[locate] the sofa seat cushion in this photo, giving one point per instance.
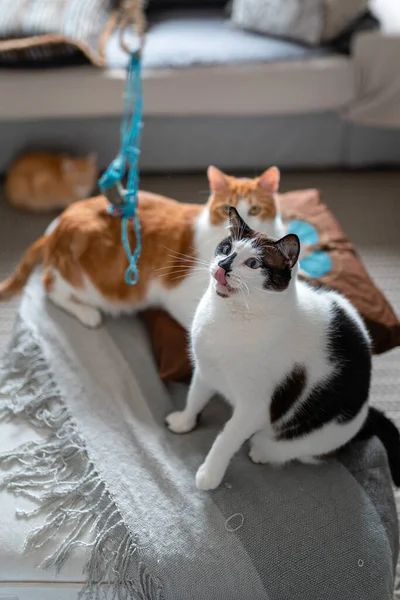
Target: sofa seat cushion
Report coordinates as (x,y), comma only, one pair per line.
(204,37)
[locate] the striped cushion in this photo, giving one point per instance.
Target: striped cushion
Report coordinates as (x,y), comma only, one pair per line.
(42,31)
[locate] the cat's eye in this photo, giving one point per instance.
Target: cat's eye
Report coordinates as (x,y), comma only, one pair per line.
(225,249)
(253,263)
(225,209)
(254,210)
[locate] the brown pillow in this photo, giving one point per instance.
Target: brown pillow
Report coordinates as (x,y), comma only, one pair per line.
(169,341)
(347,275)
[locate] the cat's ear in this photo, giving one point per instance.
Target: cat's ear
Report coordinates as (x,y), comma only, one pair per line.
(238,228)
(217,179)
(269,180)
(289,246)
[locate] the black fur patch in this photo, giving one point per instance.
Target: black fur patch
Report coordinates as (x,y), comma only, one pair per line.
(225,241)
(275,267)
(226,263)
(276,279)
(341,397)
(239,229)
(287,392)
(378,424)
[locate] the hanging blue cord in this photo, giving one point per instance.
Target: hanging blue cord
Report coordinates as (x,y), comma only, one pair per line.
(128,158)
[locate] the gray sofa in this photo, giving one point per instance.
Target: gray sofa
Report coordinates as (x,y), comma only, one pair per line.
(213,94)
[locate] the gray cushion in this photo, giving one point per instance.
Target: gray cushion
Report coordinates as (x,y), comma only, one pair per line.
(188,38)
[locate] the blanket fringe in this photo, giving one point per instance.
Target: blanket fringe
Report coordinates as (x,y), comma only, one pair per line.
(59,477)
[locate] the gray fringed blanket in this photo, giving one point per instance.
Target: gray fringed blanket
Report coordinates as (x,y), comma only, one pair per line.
(110,475)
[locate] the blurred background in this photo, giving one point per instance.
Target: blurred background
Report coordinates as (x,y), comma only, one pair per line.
(242,84)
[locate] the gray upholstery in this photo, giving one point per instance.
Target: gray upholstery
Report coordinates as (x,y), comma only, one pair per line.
(206,37)
(192,143)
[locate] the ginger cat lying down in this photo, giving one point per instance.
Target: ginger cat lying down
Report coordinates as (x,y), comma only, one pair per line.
(41,181)
(84,261)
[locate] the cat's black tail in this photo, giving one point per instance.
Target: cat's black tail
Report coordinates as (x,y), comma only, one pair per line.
(378,424)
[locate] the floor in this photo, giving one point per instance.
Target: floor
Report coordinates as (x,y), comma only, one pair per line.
(366,204)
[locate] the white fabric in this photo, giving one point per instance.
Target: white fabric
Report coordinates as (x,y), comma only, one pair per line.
(14,565)
(388,14)
(182,39)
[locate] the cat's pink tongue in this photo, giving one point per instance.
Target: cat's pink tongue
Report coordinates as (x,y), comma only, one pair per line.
(220,276)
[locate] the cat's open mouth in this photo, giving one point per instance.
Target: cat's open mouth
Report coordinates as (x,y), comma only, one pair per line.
(222,286)
(224,290)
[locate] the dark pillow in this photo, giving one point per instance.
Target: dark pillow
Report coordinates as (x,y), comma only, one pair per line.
(169,341)
(343,43)
(328,258)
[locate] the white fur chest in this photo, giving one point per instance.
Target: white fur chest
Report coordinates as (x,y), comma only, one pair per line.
(245,356)
(225,350)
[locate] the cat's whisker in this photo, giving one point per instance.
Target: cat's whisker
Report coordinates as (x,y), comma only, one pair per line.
(183,276)
(182,258)
(188,259)
(253,298)
(176,266)
(185,263)
(180,254)
(184,272)
(193,249)
(241,290)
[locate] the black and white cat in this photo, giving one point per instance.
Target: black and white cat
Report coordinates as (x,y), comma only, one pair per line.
(294,362)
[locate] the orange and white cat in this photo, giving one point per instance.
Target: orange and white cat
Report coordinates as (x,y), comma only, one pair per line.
(40,181)
(84,260)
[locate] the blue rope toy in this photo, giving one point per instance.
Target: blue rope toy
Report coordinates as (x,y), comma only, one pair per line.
(123,203)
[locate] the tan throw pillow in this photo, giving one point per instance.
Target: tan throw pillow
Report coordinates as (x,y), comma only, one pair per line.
(55,31)
(346,274)
(309,21)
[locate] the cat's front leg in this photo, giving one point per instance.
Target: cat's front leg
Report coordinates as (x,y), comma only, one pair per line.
(183,421)
(237,430)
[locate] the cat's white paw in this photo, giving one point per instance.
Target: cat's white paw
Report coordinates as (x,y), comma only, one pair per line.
(178,422)
(207,478)
(257,454)
(89,316)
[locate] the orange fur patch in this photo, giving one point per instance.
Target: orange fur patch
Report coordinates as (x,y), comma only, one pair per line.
(229,191)
(87,239)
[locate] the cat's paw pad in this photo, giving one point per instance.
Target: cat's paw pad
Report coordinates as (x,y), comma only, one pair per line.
(257,455)
(178,422)
(207,478)
(89,316)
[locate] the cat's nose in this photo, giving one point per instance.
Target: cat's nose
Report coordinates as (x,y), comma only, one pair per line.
(220,276)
